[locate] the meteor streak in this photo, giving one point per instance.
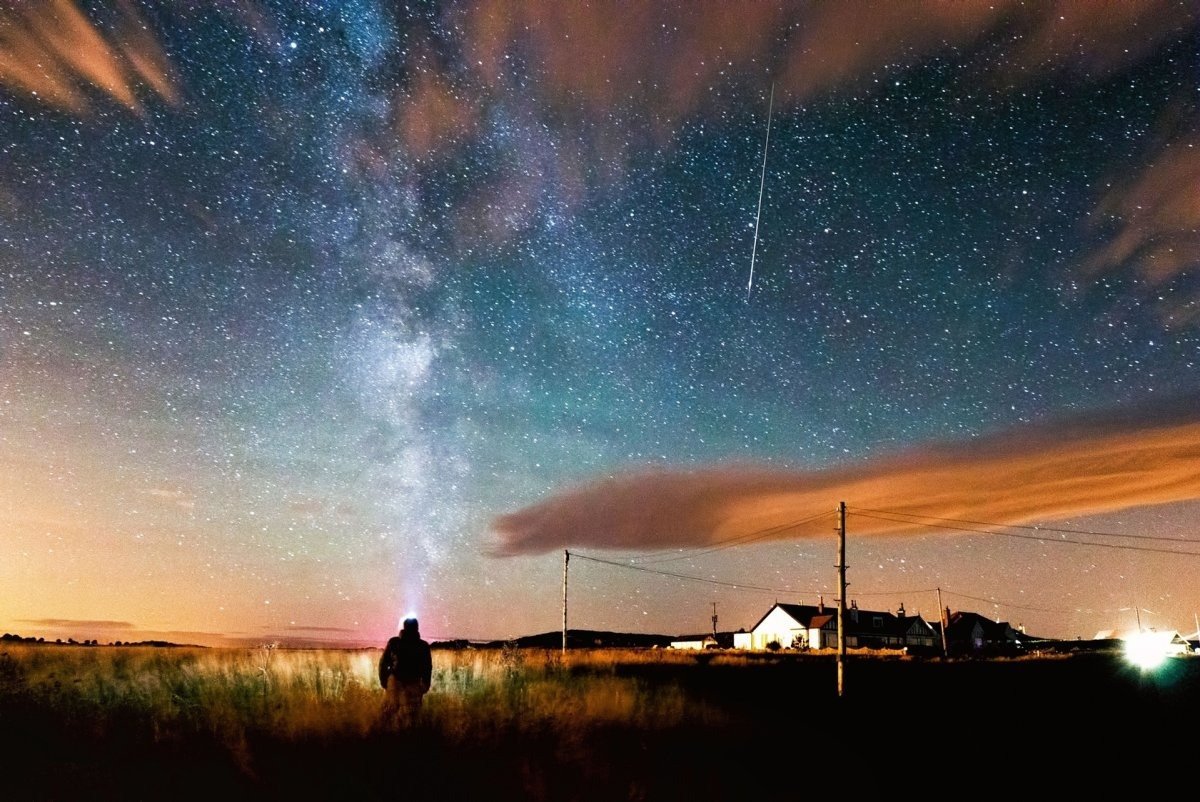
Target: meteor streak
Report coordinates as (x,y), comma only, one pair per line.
(761,183)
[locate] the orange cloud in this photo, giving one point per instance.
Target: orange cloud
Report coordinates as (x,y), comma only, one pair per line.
(52,50)
(1153,221)
(600,57)
(433,116)
(1095,37)
(145,54)
(74,623)
(1069,468)
(593,68)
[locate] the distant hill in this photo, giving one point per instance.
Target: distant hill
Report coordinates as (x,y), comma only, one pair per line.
(11,638)
(583,639)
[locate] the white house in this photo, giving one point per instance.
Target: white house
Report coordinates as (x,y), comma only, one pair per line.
(802,626)
(1152,645)
(707,642)
(791,626)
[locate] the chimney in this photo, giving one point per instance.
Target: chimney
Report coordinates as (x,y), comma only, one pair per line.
(821,604)
(900,612)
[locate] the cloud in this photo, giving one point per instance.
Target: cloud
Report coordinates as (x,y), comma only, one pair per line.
(1149,225)
(602,56)
(51,50)
(76,623)
(1083,466)
(593,82)
(1093,38)
(176,497)
(433,116)
(297,628)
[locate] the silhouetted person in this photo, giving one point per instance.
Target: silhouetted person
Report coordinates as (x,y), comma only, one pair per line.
(406,670)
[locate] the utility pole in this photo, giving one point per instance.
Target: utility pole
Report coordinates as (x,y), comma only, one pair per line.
(566,562)
(945,621)
(714,620)
(841,566)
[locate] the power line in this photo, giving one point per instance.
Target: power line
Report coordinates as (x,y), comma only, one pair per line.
(736,585)
(739,540)
(1016,606)
(1033,537)
(896,517)
(895,592)
(907,592)
(1035,527)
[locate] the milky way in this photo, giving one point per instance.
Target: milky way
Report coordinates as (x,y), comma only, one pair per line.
(298,300)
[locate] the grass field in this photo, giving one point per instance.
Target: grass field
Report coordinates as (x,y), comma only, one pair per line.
(172,723)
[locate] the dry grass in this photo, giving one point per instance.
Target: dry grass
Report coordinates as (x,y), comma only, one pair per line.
(298,693)
(144,722)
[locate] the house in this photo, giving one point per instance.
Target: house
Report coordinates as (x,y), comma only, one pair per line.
(972,633)
(876,629)
(802,626)
(694,642)
(785,626)
(719,640)
(1151,645)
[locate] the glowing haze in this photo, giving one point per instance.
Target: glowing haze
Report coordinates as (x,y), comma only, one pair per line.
(315,316)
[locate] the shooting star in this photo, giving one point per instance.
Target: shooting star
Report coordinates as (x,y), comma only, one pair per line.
(762,181)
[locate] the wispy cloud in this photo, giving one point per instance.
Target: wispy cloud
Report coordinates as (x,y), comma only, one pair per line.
(1083,466)
(179,498)
(53,51)
(602,56)
(1148,224)
(76,623)
(592,79)
(298,628)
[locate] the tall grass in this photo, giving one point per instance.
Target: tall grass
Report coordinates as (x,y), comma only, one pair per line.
(182,723)
(299,693)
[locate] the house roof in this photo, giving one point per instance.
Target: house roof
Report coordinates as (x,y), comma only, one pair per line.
(889,623)
(1163,636)
(802,613)
(814,617)
(819,621)
(961,623)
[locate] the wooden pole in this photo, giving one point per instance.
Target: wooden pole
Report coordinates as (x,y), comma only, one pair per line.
(566,562)
(841,566)
(945,620)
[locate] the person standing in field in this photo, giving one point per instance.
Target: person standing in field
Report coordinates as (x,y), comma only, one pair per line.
(406,671)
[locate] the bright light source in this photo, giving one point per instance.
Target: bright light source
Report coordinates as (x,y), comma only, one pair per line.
(1145,650)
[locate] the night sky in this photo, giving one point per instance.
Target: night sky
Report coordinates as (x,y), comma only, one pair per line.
(318,314)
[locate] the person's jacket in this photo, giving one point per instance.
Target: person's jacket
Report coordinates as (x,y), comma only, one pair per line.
(408,659)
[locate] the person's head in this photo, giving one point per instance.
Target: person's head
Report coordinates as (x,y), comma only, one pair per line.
(410,627)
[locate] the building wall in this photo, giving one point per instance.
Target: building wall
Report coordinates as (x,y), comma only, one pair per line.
(778,626)
(817,638)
